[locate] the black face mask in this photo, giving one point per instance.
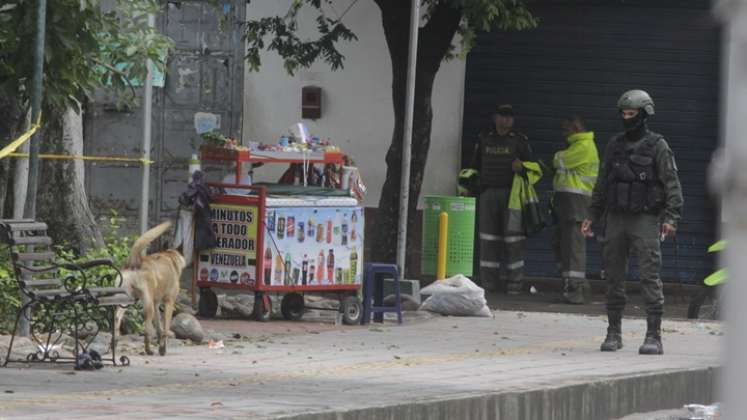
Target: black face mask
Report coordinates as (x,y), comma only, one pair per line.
(634,124)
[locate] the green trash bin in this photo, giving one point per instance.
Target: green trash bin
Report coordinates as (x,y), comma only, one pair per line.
(461,236)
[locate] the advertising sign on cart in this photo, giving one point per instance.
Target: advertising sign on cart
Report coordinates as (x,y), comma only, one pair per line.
(234,259)
(313,247)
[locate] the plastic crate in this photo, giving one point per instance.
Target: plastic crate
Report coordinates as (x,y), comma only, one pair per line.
(461,234)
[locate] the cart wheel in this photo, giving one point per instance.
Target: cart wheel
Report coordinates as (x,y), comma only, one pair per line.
(351,310)
(208,305)
(292,306)
(262,307)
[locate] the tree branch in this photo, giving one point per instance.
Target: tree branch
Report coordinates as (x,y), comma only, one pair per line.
(117,71)
(439,32)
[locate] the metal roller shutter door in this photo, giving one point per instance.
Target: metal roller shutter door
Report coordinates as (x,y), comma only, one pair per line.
(578,61)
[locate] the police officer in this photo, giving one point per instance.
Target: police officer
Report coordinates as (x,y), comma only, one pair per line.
(638,199)
(576,169)
(499,153)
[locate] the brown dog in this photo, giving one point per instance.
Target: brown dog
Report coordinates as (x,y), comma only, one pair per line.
(153,280)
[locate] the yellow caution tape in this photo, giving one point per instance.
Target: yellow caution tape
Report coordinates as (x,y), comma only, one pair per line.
(79,157)
(15,144)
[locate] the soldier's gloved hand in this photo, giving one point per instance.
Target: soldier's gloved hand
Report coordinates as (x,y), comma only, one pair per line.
(586,228)
(517,165)
(667,230)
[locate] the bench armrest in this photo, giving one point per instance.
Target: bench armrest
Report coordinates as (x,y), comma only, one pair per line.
(87,280)
(85,265)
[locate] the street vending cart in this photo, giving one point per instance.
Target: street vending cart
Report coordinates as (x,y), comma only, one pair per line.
(273,241)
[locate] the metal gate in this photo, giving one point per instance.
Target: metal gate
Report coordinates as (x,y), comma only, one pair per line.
(205,74)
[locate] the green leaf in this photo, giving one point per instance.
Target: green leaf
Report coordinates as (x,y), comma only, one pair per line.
(717,278)
(718,246)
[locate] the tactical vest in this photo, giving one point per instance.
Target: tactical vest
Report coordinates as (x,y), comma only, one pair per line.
(497,153)
(632,182)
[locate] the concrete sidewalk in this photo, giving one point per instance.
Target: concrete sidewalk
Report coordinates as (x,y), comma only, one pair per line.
(514,366)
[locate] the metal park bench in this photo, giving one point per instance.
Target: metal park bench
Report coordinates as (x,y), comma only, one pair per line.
(77,299)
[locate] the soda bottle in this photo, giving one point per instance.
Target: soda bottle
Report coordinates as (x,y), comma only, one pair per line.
(353,225)
(271,221)
(268,266)
(320,267)
(353,265)
(311,226)
(288,268)
(291,222)
(320,232)
(304,269)
(344,230)
(329,232)
(281,227)
(301,231)
(312,267)
(278,269)
(331,267)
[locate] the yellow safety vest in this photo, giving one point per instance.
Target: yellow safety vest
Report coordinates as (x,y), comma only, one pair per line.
(577,167)
(522,192)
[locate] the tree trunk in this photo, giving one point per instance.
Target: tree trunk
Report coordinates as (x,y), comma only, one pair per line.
(62,200)
(10,128)
(434,41)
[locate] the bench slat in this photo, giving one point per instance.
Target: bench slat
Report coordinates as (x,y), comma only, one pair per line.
(118,299)
(51,293)
(20,226)
(36,256)
(42,269)
(36,283)
(33,240)
(103,291)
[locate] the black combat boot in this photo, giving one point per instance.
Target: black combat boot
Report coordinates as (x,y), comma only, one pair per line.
(613,341)
(652,342)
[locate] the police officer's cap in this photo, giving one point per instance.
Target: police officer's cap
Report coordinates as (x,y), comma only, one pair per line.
(505,110)
(636,99)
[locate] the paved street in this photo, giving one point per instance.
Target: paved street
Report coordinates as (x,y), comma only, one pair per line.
(282,369)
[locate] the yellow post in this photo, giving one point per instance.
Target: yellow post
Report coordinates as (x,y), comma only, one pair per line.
(443,233)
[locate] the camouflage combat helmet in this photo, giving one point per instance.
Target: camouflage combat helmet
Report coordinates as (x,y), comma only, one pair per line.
(636,99)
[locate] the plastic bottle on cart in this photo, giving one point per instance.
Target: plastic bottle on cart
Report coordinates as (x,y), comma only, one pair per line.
(312,267)
(320,267)
(288,278)
(304,269)
(301,231)
(353,225)
(353,265)
(271,221)
(278,269)
(331,267)
(344,239)
(291,222)
(281,227)
(268,266)
(329,232)
(310,229)
(320,232)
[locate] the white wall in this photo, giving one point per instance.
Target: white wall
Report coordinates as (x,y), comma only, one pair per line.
(357,112)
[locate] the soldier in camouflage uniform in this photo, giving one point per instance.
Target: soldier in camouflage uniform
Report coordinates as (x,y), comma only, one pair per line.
(637,203)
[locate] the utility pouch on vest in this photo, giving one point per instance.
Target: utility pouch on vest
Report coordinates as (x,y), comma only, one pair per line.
(623,173)
(622,196)
(638,197)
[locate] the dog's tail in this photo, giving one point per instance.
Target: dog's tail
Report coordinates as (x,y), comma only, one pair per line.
(136,253)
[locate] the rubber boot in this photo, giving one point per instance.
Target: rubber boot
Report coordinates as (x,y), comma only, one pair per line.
(613,341)
(652,342)
(514,288)
(575,291)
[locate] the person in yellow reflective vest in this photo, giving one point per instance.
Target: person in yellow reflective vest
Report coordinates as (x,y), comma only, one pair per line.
(576,169)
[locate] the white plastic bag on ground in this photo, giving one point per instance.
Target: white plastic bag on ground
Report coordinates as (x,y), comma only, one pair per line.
(457,296)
